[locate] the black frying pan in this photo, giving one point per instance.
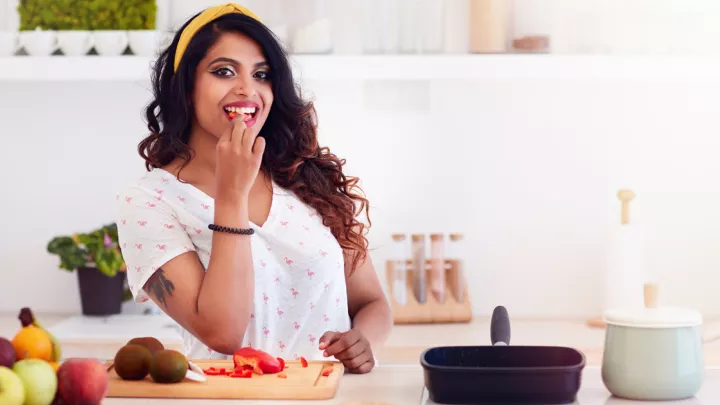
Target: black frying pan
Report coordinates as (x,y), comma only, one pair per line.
(502,374)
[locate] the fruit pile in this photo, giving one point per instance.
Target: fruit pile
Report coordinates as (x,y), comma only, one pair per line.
(31,372)
(147,355)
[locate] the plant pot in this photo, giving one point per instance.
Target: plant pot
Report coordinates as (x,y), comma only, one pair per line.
(100,295)
(75,43)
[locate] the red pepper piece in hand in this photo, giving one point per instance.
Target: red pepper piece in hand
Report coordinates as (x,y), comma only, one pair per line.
(303,362)
(260,361)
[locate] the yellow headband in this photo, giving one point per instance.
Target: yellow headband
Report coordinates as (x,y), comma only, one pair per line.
(201,20)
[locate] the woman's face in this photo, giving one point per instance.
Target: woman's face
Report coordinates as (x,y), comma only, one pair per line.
(232,79)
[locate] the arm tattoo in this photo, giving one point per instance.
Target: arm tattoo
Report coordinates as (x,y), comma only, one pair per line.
(161,286)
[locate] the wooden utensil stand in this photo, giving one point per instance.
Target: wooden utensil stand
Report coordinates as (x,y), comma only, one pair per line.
(431,311)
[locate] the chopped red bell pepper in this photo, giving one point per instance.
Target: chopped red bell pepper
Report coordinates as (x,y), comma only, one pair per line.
(282,375)
(303,362)
(282,363)
(221,371)
(242,374)
(326,371)
(211,371)
(261,362)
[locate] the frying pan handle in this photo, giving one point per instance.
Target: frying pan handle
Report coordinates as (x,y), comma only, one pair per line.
(500,327)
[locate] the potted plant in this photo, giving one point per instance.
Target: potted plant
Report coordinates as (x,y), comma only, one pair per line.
(100,267)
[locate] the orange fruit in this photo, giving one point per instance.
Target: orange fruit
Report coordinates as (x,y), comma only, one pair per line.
(32,342)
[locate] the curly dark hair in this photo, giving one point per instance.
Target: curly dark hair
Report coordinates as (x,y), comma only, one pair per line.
(292,157)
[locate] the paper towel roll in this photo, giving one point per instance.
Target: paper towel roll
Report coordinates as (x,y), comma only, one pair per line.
(626,273)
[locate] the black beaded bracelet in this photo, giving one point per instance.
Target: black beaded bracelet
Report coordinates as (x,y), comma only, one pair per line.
(238,231)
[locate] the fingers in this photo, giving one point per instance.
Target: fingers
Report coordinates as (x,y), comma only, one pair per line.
(363,368)
(259,147)
(238,131)
(327,338)
(351,352)
(346,340)
(248,140)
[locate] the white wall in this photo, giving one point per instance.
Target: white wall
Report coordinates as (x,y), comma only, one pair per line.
(528,170)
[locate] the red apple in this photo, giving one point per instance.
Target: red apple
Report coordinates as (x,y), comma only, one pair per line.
(82,381)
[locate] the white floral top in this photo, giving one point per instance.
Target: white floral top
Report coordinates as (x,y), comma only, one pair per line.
(300,290)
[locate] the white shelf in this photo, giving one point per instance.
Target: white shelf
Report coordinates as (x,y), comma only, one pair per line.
(392,67)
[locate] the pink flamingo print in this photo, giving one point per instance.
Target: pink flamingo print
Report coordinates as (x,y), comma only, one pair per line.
(198,231)
(124,245)
(311,338)
(138,246)
(296,325)
(262,263)
(306,228)
(128,199)
(294,292)
(312,305)
(337,301)
(151,205)
(280,312)
(265,298)
(164,179)
(310,273)
(142,223)
(138,268)
(205,206)
(269,249)
(158,197)
(323,253)
(266,331)
(288,261)
(302,244)
(291,207)
(325,318)
(284,223)
(297,356)
(281,345)
(161,247)
(169,226)
(277,279)
(124,221)
(326,286)
(159,191)
(182,199)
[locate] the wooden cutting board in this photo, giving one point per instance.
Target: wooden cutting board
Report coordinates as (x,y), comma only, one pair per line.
(301,383)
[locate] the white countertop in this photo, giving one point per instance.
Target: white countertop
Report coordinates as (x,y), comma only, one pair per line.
(403,385)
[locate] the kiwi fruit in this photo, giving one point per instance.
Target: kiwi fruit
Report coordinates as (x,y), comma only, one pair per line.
(132,362)
(151,343)
(168,366)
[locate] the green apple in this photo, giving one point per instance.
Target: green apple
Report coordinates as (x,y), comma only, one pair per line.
(12,391)
(39,379)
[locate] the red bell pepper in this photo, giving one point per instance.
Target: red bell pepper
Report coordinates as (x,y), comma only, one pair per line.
(260,361)
(303,362)
(282,375)
(241,374)
(282,363)
(326,371)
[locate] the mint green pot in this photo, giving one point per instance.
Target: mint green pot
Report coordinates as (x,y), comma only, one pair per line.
(653,354)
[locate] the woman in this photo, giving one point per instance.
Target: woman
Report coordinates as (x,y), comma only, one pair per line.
(244,230)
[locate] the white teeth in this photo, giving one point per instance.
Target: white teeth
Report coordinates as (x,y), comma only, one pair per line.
(241,110)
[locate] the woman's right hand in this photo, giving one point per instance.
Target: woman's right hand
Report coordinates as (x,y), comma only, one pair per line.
(239,154)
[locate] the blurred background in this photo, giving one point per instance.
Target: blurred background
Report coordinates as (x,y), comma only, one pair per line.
(514,123)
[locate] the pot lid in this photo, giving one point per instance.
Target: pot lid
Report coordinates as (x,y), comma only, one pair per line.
(660,317)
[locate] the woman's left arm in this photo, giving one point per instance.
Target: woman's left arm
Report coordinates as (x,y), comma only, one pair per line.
(371,320)
(368,307)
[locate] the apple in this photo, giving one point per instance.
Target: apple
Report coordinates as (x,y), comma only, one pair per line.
(39,380)
(82,381)
(12,390)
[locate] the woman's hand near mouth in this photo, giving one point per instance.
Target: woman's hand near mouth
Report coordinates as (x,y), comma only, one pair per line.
(239,154)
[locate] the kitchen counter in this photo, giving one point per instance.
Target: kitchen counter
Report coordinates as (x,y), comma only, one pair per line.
(403,385)
(101,337)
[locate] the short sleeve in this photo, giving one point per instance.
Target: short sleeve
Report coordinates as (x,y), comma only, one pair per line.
(149,234)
